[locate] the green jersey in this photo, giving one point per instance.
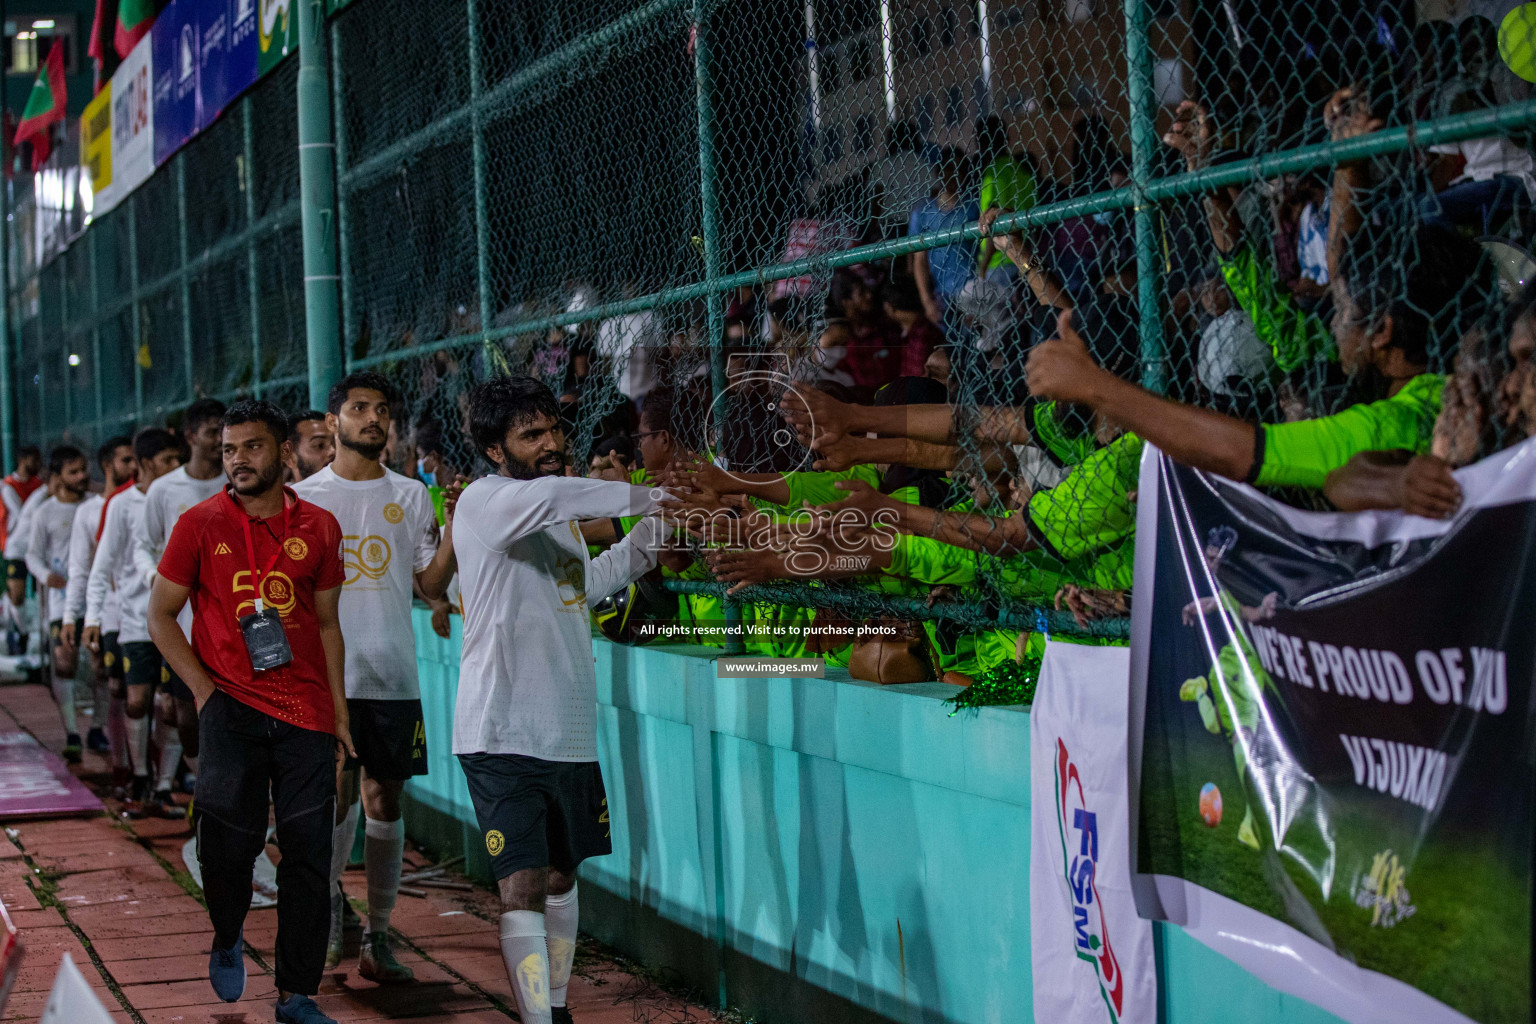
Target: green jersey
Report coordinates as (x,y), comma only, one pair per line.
(1008,184)
(821,488)
(1294,336)
(1091,509)
(1302,454)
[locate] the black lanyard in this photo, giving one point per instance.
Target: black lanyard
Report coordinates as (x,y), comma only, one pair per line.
(250,547)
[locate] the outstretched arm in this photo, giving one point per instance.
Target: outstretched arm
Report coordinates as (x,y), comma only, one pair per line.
(815,415)
(1062,369)
(1420,485)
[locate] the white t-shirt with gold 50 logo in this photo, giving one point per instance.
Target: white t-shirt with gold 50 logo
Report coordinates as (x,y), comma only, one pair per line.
(388,534)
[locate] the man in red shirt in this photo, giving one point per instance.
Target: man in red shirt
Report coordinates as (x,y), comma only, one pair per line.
(264,572)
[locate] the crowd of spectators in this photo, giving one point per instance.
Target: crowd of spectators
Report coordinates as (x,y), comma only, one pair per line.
(979,403)
(976,413)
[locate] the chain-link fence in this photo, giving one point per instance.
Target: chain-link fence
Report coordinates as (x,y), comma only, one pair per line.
(673,212)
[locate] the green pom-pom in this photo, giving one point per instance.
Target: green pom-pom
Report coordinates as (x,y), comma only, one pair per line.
(1012,682)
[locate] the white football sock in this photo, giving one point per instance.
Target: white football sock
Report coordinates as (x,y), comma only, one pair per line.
(64,697)
(138,744)
(170,754)
(342,835)
(383,847)
(524,951)
(560,914)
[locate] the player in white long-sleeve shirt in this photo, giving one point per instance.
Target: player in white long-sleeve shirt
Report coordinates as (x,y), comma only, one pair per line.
(15,489)
(115,459)
(18,534)
(47,555)
(167,498)
(389,542)
(114,576)
(525,720)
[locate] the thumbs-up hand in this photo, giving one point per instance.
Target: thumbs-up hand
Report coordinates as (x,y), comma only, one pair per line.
(1062,368)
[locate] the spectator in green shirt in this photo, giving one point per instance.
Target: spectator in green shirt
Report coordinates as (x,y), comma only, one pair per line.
(1006,182)
(1395,306)
(1478,416)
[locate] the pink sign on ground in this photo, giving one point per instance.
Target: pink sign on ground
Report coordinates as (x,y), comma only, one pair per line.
(36,783)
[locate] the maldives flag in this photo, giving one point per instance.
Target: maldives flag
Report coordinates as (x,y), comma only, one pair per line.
(45,106)
(102,49)
(134,19)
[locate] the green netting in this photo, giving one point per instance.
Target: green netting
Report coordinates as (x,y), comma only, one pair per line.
(674,212)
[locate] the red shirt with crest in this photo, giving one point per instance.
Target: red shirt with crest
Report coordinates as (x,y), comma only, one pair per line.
(207,553)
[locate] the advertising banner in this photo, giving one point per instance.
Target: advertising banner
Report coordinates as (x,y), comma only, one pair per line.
(277,31)
(175,40)
(1085,934)
(228,52)
(133,120)
(1331,740)
(96,150)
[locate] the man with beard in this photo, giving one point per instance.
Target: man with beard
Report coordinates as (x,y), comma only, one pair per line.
(199,479)
(389,541)
(16,491)
(48,562)
(157,453)
(524,727)
(264,572)
(314,444)
(115,457)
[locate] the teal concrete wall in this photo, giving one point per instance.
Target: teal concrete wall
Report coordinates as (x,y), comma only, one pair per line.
(812,849)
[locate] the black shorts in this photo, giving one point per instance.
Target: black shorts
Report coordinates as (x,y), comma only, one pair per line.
(56,631)
(535,813)
(15,569)
(390,738)
(112,656)
(143,666)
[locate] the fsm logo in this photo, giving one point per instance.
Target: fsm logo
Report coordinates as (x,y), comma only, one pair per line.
(1078,826)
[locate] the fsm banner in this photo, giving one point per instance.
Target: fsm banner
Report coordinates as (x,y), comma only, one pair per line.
(1092,956)
(1332,744)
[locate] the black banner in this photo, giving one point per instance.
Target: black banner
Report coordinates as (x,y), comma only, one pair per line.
(1335,763)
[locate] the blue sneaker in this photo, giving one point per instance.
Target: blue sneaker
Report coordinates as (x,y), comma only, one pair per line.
(301,1010)
(226,971)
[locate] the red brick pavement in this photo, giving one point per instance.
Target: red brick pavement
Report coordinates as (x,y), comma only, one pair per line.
(115,884)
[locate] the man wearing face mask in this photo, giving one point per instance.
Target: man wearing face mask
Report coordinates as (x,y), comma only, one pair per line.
(432,466)
(524,727)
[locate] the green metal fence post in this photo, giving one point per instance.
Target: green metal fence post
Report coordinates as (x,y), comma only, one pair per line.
(709,202)
(68,375)
(343,205)
(1144,145)
(252,275)
(185,277)
(98,384)
(482,202)
(134,315)
(7,411)
(317,205)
